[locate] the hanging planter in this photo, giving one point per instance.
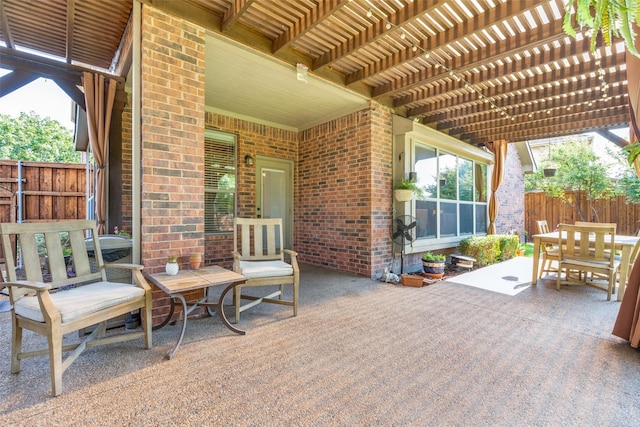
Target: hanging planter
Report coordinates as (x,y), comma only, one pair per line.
(403,195)
(548,173)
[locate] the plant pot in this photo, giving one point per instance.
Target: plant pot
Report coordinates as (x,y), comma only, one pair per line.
(171,268)
(403,195)
(433,269)
(195,259)
(549,172)
(412,280)
(520,252)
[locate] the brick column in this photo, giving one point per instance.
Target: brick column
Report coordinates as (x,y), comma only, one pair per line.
(173,85)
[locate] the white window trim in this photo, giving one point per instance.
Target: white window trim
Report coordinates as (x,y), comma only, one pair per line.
(406,134)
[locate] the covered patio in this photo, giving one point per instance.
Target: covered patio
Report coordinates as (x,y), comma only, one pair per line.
(361,352)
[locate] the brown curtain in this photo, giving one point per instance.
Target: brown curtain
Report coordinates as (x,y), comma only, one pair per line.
(627,324)
(633,86)
(499,149)
(99,104)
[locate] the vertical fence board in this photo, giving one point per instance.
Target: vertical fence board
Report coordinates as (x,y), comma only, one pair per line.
(540,206)
(53,191)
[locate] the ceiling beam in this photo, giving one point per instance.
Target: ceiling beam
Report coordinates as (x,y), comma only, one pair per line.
(6,28)
(459,63)
(480,113)
(498,122)
(612,137)
(407,15)
(521,95)
(591,119)
(15,80)
(233,14)
(71,13)
(530,64)
(315,17)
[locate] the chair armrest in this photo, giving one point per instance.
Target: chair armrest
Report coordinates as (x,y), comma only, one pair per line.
(294,258)
(29,284)
(125,266)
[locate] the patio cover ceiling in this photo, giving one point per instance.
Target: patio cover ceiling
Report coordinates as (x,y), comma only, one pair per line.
(479,70)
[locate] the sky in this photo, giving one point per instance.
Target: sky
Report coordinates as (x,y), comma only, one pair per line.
(42,96)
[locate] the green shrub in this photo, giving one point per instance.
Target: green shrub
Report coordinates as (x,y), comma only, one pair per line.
(509,244)
(490,249)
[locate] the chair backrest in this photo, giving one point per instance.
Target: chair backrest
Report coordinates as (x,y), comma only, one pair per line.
(55,244)
(543,227)
(594,243)
(258,239)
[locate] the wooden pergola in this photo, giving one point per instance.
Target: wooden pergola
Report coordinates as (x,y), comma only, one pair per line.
(478,70)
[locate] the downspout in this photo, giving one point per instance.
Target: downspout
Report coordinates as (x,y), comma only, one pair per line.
(136,137)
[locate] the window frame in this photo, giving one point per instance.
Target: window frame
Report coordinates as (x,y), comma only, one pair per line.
(406,135)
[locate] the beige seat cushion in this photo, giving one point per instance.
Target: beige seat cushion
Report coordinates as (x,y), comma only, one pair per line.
(78,302)
(260,269)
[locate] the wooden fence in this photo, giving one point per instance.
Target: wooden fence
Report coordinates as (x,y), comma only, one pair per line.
(539,206)
(50,192)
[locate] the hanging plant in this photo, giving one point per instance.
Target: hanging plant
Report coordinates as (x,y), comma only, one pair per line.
(612,18)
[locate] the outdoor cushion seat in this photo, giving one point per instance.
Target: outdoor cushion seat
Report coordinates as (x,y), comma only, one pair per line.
(259,269)
(84,300)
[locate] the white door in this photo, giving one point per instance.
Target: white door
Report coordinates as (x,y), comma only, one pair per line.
(275,193)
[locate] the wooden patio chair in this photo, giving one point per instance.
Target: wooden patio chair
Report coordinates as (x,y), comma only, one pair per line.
(259,256)
(75,297)
(550,253)
(588,250)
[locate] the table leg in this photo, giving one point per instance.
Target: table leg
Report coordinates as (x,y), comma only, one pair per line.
(184,324)
(168,318)
(536,260)
(219,307)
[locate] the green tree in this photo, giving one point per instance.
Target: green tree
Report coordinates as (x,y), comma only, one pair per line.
(33,138)
(579,170)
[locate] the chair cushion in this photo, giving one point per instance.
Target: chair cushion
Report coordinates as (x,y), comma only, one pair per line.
(260,269)
(80,301)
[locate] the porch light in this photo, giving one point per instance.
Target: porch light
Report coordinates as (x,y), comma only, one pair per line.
(248,160)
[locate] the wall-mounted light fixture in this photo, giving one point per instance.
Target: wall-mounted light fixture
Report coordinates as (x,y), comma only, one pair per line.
(248,160)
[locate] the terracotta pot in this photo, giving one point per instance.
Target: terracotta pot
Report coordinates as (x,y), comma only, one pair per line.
(195,259)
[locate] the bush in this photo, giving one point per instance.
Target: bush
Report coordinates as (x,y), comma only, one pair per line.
(509,244)
(490,249)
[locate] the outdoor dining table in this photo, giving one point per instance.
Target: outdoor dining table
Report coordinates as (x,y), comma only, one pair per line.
(188,280)
(624,244)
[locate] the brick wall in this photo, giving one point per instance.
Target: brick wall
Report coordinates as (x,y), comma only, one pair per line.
(511,195)
(256,140)
(344,202)
(172,102)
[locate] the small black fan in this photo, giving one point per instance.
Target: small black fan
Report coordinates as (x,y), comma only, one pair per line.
(404,231)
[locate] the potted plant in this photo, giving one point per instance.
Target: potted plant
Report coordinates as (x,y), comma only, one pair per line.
(433,264)
(406,189)
(520,251)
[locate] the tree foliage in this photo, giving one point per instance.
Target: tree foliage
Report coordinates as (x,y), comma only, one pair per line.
(579,170)
(30,137)
(612,18)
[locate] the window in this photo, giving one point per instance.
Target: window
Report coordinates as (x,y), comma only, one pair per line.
(454,202)
(219,181)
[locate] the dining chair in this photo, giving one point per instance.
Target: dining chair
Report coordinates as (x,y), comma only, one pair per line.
(550,253)
(588,249)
